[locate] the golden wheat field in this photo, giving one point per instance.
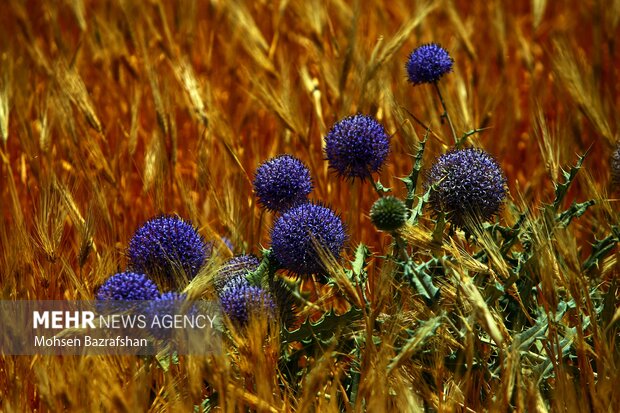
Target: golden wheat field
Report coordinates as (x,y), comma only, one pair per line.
(113,112)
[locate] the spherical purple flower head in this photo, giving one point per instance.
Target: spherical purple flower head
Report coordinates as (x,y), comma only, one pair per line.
(615,166)
(282,182)
(469,184)
(128,286)
(357,146)
(295,233)
(240,300)
(167,246)
(168,304)
(237,266)
(428,63)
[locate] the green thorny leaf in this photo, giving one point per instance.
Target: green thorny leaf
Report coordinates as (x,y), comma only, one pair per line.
(574,211)
(601,248)
(357,273)
(526,338)
(419,277)
(411,180)
(265,271)
(544,369)
(323,329)
(510,235)
(562,188)
(380,189)
(416,341)
(359,264)
(419,208)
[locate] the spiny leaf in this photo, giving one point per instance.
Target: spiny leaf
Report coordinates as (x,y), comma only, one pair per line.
(574,211)
(421,280)
(562,188)
(411,180)
(359,263)
(324,328)
(380,189)
(417,211)
(265,271)
(413,344)
(601,248)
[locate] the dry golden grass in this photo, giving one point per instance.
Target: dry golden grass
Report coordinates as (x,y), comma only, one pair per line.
(114,111)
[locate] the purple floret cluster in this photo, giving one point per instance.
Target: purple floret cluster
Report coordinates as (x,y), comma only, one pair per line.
(468,184)
(282,182)
(239,300)
(128,286)
(233,268)
(428,63)
(167,246)
(297,232)
(356,147)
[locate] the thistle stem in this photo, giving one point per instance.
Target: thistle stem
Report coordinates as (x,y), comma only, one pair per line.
(378,186)
(445,114)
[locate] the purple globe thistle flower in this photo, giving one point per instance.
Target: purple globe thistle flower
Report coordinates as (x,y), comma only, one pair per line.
(237,266)
(468,184)
(428,63)
(167,246)
(282,182)
(240,300)
(128,286)
(167,304)
(615,166)
(295,233)
(357,146)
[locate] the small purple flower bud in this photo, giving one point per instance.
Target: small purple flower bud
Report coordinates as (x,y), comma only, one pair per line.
(428,63)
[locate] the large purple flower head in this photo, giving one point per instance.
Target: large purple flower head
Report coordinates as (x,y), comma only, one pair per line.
(469,184)
(128,286)
(240,300)
(282,182)
(357,146)
(295,233)
(237,266)
(428,63)
(167,246)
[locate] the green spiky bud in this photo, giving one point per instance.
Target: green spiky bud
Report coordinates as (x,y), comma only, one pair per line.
(388,213)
